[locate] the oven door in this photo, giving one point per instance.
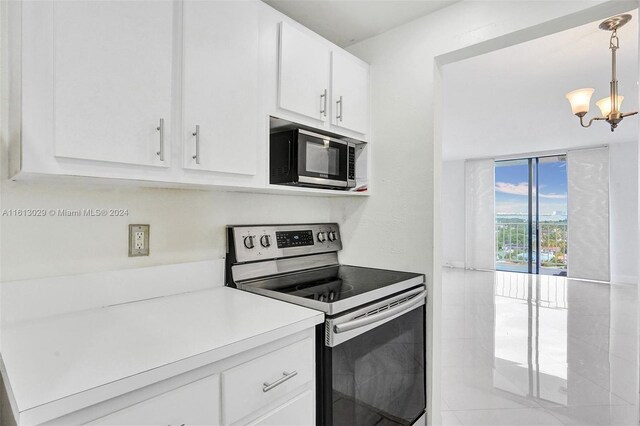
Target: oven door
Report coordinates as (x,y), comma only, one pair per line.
(322,160)
(373,365)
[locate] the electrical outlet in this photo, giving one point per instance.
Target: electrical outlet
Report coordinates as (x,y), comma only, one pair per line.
(138,240)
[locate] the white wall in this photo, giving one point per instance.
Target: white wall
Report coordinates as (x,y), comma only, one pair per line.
(186,225)
(400,225)
(453,217)
(623,199)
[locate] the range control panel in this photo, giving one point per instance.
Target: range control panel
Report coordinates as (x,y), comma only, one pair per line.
(288,239)
(256,242)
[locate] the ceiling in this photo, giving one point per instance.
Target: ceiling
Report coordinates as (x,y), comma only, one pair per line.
(346,22)
(512,101)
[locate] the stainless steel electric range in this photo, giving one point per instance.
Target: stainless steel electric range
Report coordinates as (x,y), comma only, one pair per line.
(371,349)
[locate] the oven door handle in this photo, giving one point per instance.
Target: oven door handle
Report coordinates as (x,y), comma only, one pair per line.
(361,322)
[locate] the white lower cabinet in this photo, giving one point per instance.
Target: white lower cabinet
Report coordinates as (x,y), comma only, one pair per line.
(194,404)
(297,412)
(270,385)
(263,382)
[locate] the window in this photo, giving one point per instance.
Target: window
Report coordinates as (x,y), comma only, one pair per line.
(531,215)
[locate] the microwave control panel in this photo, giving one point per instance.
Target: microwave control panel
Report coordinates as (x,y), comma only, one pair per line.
(255,242)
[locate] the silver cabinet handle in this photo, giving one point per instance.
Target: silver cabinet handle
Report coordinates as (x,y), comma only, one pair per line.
(285,376)
(160,129)
(323,103)
(339,106)
(197,135)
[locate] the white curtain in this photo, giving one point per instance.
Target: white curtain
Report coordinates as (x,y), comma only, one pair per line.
(588,215)
(480,240)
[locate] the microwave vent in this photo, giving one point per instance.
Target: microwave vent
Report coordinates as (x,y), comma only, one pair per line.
(279,172)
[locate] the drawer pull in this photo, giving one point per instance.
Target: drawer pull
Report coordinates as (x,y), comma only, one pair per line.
(285,376)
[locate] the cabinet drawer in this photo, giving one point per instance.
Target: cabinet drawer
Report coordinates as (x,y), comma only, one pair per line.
(262,381)
(194,404)
(297,412)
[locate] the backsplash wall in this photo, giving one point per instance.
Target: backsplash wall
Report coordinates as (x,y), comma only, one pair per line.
(186,225)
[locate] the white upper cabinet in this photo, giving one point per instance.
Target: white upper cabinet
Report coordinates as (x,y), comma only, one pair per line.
(320,82)
(349,92)
(112,81)
(220,85)
(304,73)
(175,92)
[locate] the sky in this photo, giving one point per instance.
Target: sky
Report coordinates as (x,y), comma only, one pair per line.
(512,187)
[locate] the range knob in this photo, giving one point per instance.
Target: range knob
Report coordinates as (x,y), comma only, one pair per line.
(333,236)
(265,241)
(248,242)
(322,237)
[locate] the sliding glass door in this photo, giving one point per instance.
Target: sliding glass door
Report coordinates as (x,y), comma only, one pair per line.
(531,215)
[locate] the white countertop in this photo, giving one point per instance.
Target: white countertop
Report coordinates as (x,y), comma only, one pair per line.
(105,351)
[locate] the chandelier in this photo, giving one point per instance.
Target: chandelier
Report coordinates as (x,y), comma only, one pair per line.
(609,106)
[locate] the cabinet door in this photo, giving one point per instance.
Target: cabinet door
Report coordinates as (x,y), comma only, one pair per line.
(220,85)
(297,412)
(112,80)
(197,403)
(350,92)
(304,73)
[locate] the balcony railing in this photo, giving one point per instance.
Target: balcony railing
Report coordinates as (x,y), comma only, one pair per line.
(512,243)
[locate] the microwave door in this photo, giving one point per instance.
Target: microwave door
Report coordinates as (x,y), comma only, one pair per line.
(322,161)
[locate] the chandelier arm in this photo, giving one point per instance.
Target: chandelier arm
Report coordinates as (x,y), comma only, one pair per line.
(627,114)
(590,121)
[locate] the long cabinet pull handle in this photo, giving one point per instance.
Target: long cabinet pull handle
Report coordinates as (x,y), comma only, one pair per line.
(285,376)
(339,106)
(323,103)
(197,135)
(160,129)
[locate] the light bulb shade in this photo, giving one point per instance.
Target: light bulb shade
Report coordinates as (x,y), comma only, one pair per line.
(605,105)
(580,99)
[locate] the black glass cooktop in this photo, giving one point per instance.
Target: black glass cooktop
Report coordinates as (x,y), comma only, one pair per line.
(335,289)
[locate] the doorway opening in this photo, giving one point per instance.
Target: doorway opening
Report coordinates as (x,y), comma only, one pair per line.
(531,215)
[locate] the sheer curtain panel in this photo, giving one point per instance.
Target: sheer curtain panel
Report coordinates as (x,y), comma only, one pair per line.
(588,215)
(480,237)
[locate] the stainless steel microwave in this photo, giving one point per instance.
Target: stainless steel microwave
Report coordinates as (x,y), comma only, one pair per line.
(300,157)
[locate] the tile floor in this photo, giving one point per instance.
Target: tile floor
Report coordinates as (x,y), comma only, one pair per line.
(522,349)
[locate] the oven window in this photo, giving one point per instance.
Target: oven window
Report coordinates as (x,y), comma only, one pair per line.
(322,158)
(378,378)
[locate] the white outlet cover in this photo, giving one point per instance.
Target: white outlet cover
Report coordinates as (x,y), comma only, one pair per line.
(138,240)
